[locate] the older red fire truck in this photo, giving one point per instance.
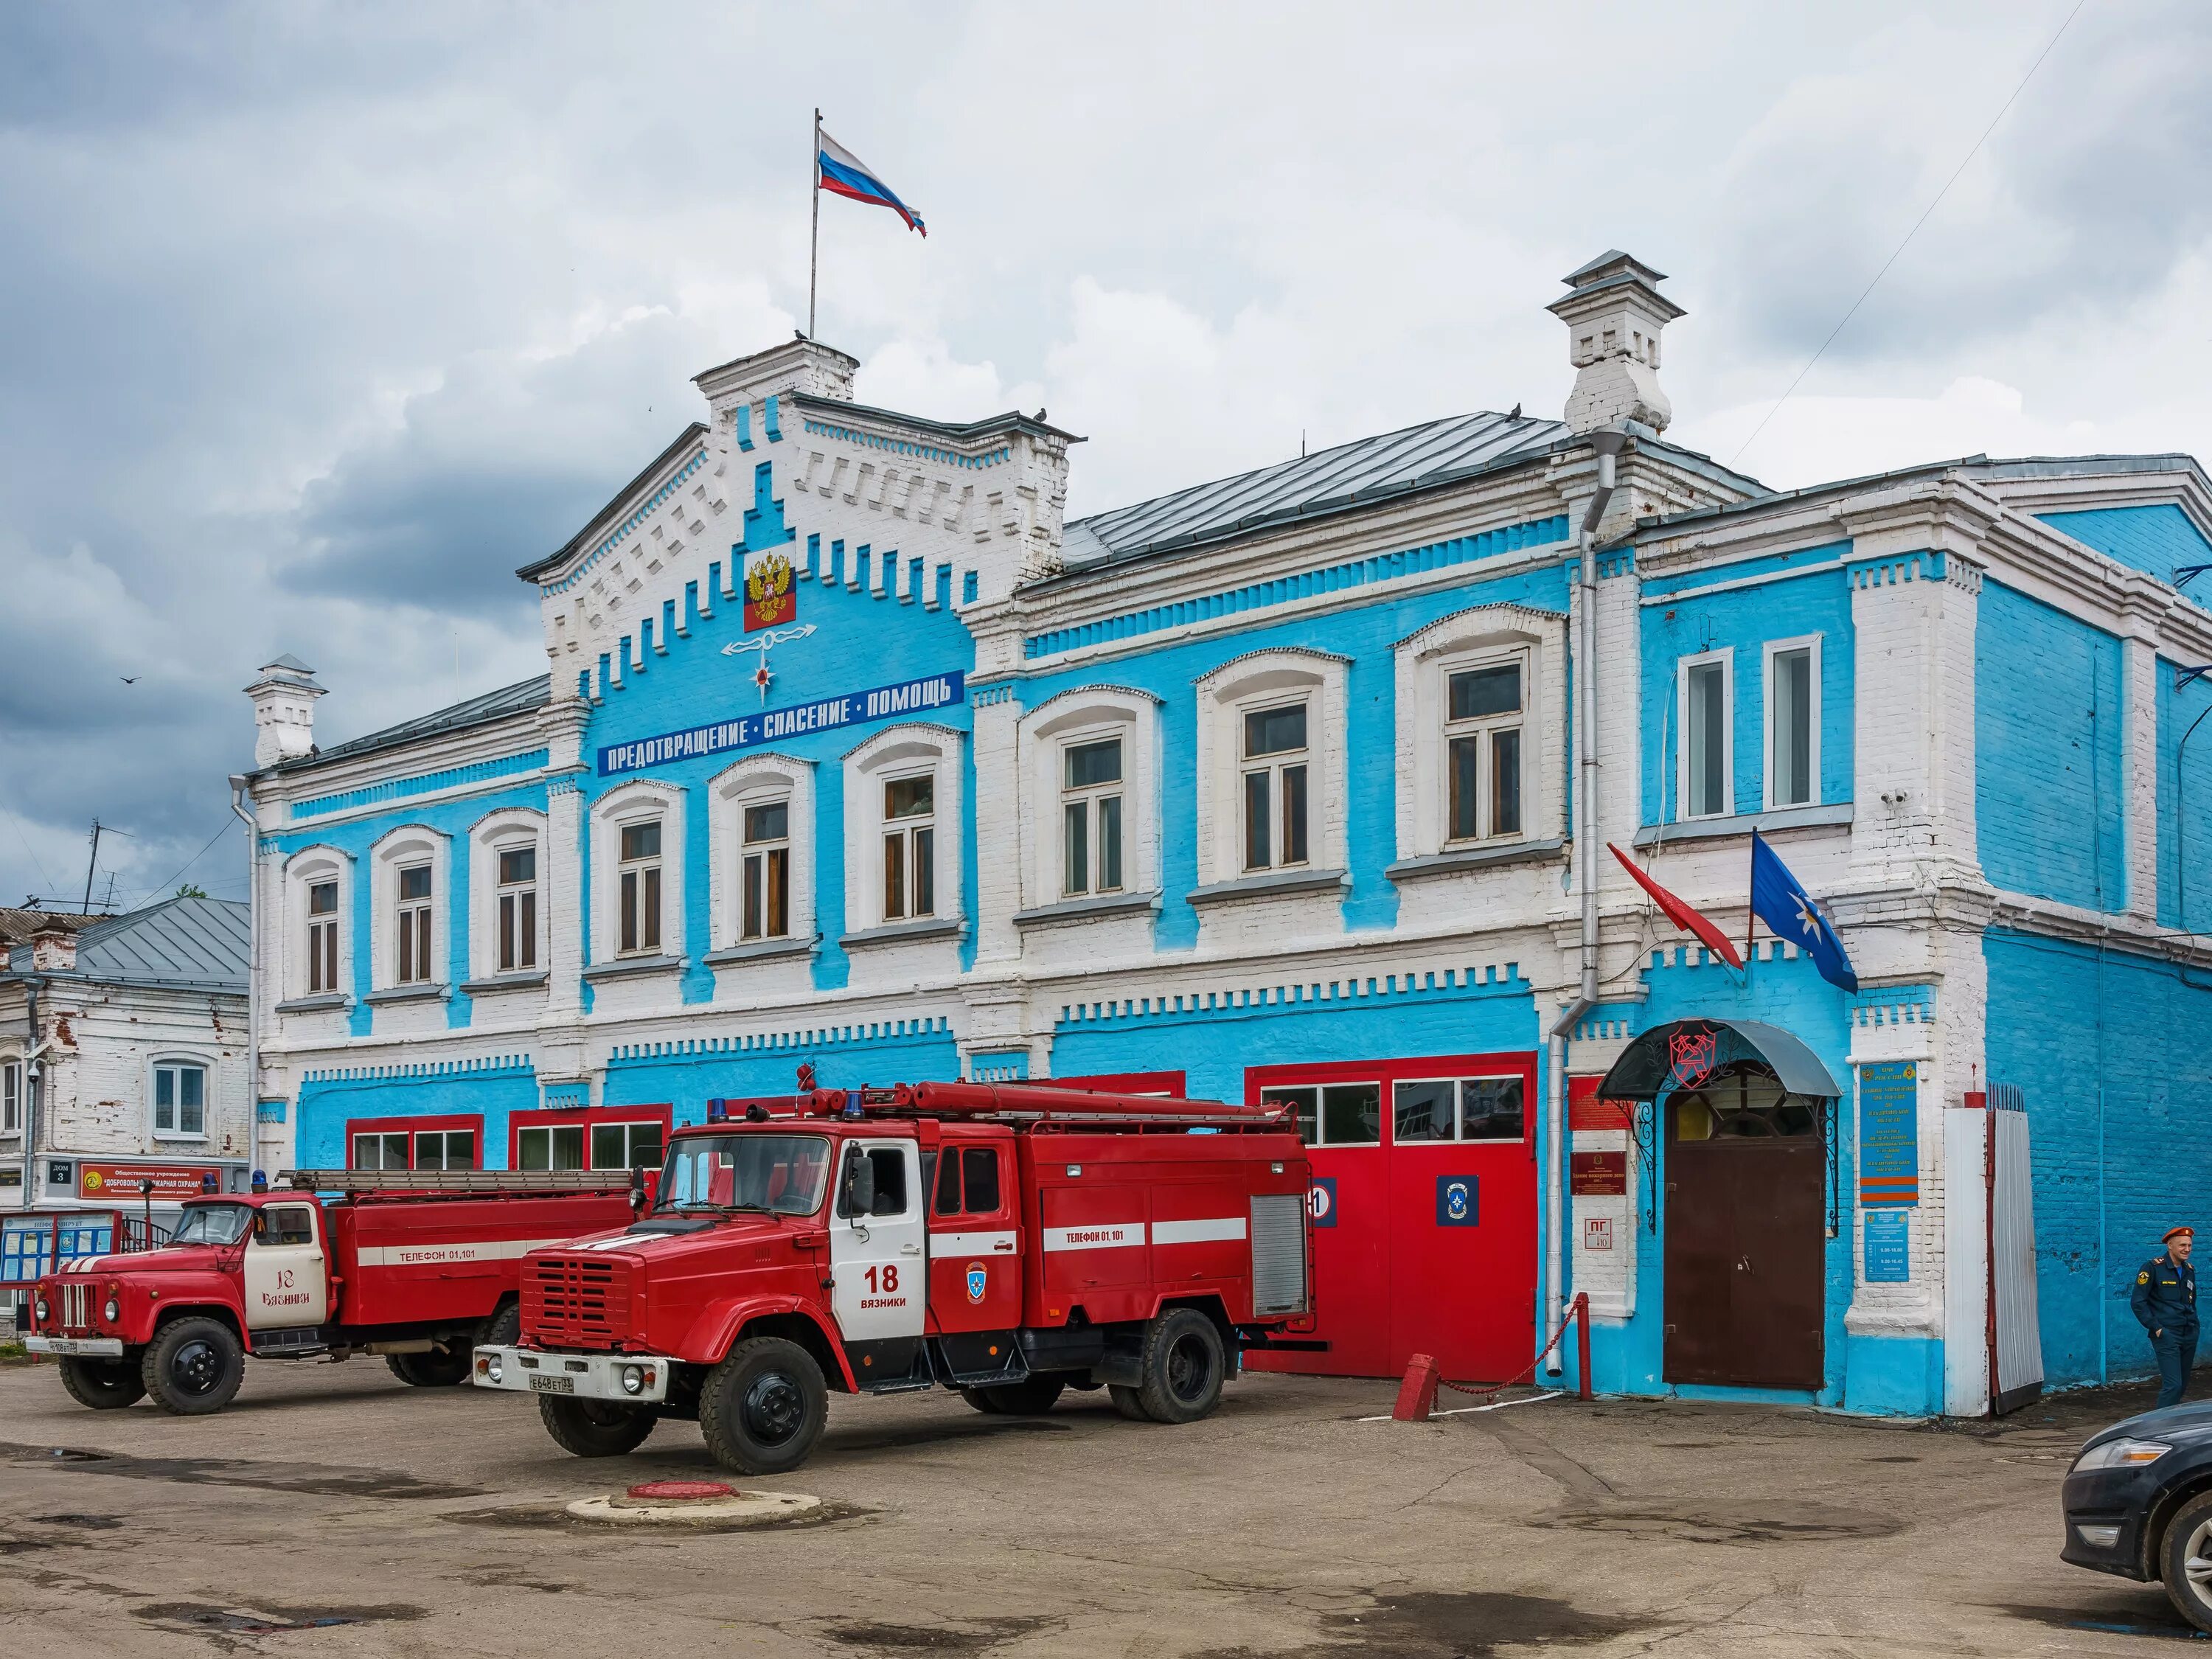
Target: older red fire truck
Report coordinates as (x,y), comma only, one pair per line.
(1007,1241)
(414,1264)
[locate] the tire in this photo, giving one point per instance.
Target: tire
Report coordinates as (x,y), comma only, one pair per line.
(440,1368)
(981,1400)
(104,1385)
(595,1428)
(193,1367)
(1184,1367)
(1129,1402)
(764,1407)
(2188,1537)
(503,1329)
(1033,1397)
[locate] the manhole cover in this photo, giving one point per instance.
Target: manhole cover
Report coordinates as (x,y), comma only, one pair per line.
(730,1507)
(690,1490)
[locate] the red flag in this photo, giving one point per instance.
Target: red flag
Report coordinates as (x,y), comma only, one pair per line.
(1680,915)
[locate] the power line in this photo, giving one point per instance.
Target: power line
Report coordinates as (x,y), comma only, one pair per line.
(44,879)
(1909,235)
(228,825)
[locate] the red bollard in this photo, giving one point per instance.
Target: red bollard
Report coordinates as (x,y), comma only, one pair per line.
(1417,1394)
(1582,1344)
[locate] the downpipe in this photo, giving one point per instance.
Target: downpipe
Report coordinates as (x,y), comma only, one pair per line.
(240,782)
(1608,446)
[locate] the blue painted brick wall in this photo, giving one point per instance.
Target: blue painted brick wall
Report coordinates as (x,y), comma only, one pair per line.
(2185,802)
(2050,723)
(2153,539)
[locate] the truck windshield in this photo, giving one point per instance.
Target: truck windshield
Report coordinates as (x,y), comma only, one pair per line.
(212,1224)
(782,1174)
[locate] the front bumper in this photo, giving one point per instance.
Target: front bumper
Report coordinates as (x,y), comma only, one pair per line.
(2105,1510)
(578,1375)
(88,1347)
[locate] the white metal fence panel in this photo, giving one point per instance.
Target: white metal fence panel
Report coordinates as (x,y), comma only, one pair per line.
(2019,1376)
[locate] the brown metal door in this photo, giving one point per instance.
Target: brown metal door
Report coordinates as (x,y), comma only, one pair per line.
(1746,1230)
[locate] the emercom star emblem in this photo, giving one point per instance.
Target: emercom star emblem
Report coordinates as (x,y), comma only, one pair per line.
(1809,914)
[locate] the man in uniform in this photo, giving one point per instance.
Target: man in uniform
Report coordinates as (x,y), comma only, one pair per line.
(2165,1300)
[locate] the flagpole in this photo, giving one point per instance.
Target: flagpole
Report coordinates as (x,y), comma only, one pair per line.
(814,242)
(1750,912)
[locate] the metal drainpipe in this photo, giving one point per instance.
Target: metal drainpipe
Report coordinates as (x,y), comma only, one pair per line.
(1608,446)
(238,783)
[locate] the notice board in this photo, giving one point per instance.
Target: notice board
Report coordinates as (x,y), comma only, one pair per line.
(1889,1132)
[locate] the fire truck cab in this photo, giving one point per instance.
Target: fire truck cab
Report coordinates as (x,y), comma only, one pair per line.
(1008,1242)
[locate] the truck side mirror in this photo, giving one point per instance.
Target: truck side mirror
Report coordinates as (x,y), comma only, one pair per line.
(636,1192)
(858,1195)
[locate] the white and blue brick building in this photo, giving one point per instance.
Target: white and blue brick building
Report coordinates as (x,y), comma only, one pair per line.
(1277,785)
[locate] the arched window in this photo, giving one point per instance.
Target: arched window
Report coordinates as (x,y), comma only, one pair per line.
(761,857)
(507,918)
(1271,766)
(1089,778)
(316,944)
(903,829)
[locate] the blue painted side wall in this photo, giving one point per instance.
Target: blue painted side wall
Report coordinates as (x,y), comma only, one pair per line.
(434,1089)
(1794,601)
(2185,802)
(2111,1053)
(2151,539)
(2050,729)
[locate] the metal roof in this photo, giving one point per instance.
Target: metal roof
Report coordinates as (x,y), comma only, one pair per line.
(1646,1068)
(1359,473)
(179,941)
(518,698)
(18,925)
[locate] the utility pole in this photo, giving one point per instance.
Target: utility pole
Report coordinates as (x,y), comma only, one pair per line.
(90,864)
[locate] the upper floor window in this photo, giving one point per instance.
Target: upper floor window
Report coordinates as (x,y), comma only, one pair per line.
(1707,751)
(1275,769)
(1091,817)
(179,1099)
(764,874)
(322,937)
(412,964)
(518,908)
(1793,722)
(617,1138)
(640,900)
(910,848)
(11,1098)
(1483,709)
(395,1143)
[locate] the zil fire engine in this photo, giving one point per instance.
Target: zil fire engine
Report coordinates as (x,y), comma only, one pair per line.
(417,1265)
(1007,1241)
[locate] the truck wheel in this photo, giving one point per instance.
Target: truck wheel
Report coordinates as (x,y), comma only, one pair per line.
(105,1385)
(503,1329)
(2183,1564)
(1032,1396)
(764,1407)
(1183,1368)
(595,1428)
(440,1368)
(1129,1402)
(193,1367)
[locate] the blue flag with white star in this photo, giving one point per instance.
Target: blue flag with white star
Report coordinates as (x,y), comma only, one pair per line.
(1779,900)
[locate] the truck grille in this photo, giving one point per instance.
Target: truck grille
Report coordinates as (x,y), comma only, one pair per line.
(77,1306)
(575,1302)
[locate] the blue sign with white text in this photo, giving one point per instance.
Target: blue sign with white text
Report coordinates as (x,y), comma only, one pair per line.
(775,724)
(1457,1202)
(1888,1247)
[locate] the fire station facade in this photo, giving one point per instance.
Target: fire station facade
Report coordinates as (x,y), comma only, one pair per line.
(851,752)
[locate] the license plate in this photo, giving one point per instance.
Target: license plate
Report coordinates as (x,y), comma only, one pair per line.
(65,1345)
(541,1383)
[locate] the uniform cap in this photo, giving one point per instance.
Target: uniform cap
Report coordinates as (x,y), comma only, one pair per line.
(2172,1233)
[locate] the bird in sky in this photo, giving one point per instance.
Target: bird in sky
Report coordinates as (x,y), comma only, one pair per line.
(131,679)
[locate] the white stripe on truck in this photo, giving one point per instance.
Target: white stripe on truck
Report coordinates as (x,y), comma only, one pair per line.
(1220,1228)
(1106,1235)
(432,1255)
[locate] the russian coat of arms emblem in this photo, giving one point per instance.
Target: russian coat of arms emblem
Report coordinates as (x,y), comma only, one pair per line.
(771,589)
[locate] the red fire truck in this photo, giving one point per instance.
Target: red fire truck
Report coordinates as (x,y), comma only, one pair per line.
(1007,1241)
(414,1264)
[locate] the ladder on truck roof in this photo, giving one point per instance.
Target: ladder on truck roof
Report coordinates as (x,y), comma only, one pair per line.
(455,1181)
(1029,1106)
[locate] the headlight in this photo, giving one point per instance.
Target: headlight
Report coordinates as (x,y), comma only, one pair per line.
(495,1370)
(2121,1454)
(633,1379)
(111,1310)
(45,1311)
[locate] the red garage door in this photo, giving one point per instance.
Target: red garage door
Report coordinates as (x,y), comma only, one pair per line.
(1425,1211)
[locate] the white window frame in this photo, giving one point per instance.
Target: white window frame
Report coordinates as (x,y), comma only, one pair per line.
(904,751)
(15,1096)
(1088,714)
(495,833)
(1482,636)
(173,1060)
(1273,769)
(1084,806)
(637,803)
(1267,679)
(1726,658)
(406,848)
(757,781)
(1484,730)
(302,872)
(1809,643)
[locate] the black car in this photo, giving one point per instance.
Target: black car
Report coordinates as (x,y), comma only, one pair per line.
(2138,1502)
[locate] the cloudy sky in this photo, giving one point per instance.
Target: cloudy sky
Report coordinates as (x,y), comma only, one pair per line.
(321,319)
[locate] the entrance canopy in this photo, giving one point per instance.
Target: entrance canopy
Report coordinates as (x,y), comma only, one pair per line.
(1683,1053)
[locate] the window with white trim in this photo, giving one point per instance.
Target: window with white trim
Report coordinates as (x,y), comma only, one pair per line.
(411,923)
(1484,709)
(518,908)
(180,1099)
(1793,722)
(322,937)
(764,871)
(390,1146)
(760,858)
(1273,796)
(1457,1109)
(11,1098)
(637,903)
(1706,747)
(910,846)
(1332,1113)
(1091,817)
(626,1144)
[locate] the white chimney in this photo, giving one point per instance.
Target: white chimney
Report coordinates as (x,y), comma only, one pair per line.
(53,950)
(805,365)
(283,711)
(1613,317)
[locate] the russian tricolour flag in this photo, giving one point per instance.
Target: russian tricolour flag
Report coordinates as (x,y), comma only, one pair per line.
(845,174)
